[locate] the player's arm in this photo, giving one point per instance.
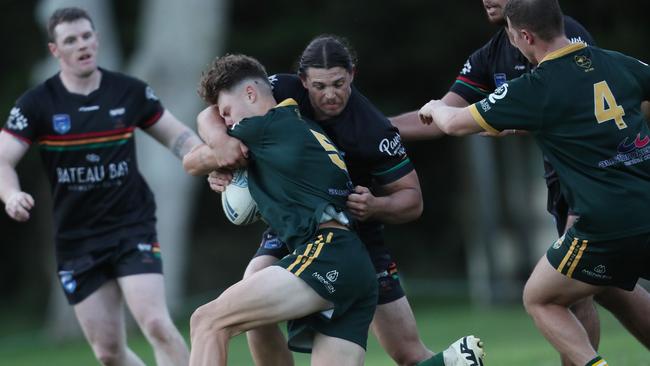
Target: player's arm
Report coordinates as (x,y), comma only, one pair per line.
(17,203)
(398,202)
(451,120)
(410,127)
(173,134)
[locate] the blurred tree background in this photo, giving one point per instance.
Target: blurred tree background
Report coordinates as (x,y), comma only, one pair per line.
(408,52)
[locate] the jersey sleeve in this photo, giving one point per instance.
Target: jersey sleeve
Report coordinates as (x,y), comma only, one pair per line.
(151,107)
(390,161)
(23,119)
(249,130)
(514,105)
(473,82)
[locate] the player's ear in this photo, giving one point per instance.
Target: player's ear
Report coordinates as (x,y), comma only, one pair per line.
(53,49)
(353,72)
(251,93)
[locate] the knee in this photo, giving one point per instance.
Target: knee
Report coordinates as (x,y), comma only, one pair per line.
(529,299)
(204,322)
(108,353)
(158,328)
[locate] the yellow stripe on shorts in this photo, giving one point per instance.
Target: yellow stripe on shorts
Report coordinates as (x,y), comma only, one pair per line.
(560,268)
(300,257)
(578,256)
(601,363)
(311,258)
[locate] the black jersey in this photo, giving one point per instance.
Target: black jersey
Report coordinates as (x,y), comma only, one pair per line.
(498,61)
(87,148)
(370,145)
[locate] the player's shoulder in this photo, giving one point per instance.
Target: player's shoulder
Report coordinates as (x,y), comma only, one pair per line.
(122,79)
(284,81)
(576,32)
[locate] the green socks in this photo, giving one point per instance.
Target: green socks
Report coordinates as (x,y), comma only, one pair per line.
(437,360)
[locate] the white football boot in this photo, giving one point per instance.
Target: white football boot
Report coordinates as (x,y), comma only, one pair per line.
(467,351)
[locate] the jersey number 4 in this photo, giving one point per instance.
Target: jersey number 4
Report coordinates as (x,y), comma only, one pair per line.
(331,150)
(605,107)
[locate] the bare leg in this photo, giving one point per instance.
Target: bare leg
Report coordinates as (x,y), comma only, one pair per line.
(395,328)
(267,344)
(145,296)
(631,309)
(255,301)
(102,320)
(585,311)
(329,351)
(547,296)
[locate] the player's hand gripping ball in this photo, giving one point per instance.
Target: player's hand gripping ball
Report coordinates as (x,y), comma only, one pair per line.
(237,202)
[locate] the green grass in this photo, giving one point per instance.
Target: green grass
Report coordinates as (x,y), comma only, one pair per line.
(509,335)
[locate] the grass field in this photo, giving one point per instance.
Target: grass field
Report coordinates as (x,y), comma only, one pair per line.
(509,335)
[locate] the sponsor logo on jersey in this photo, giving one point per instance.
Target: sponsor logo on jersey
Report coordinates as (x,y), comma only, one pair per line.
(499,93)
(467,68)
(61,123)
(89,108)
(629,152)
(116,112)
(392,146)
(500,79)
(577,39)
(17,121)
(149,94)
(273,79)
(92,158)
(271,242)
(598,272)
(520,67)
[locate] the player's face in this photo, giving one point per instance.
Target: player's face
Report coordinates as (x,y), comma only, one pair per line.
(494,10)
(75,46)
(329,90)
(234,106)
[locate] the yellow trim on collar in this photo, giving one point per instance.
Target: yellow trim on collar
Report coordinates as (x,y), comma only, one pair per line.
(287,102)
(480,120)
(564,51)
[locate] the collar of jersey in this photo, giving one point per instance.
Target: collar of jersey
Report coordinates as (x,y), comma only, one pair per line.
(563,51)
(287,102)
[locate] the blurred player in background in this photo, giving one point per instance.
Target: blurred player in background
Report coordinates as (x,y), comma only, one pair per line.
(107,253)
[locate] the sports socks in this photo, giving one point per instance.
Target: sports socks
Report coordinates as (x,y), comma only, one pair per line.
(437,360)
(598,361)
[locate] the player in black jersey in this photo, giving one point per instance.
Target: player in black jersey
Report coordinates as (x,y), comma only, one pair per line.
(387,192)
(594,134)
(83,119)
(486,69)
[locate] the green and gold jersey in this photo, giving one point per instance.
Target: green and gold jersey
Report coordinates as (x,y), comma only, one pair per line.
(294,171)
(582,105)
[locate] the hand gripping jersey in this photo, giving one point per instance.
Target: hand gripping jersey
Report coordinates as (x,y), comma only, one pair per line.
(87,147)
(294,172)
(369,144)
(582,105)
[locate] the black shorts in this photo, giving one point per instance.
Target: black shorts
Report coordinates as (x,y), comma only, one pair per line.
(617,262)
(80,276)
(390,287)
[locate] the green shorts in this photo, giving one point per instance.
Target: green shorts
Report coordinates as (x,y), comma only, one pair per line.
(337,266)
(618,262)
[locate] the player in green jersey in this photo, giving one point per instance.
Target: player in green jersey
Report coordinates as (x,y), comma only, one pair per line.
(582,105)
(326,286)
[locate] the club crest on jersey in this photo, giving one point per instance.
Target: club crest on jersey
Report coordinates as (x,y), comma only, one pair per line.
(499,79)
(61,123)
(582,61)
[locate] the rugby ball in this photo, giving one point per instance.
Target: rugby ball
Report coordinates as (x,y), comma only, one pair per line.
(237,202)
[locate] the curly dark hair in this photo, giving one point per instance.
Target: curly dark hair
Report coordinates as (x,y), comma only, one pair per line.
(227,71)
